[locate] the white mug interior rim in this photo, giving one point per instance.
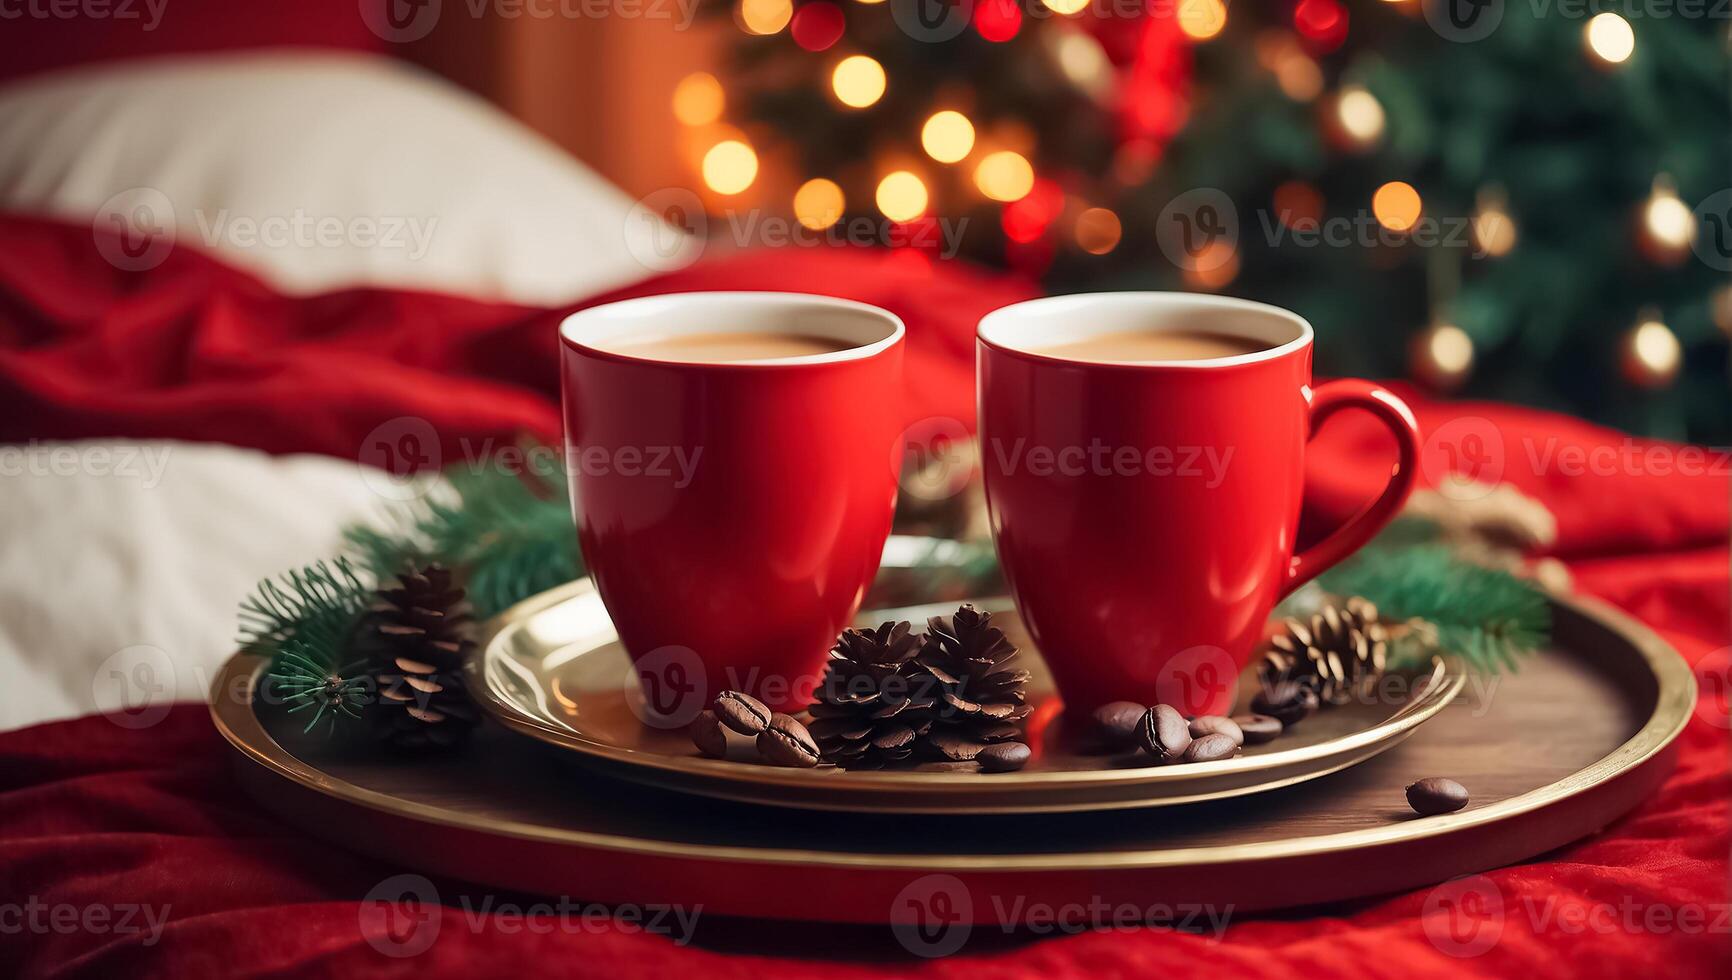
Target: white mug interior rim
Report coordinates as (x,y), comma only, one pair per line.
(867,329)
(1037,326)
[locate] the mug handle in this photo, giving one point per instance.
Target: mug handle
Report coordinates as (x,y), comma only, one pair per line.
(1326,400)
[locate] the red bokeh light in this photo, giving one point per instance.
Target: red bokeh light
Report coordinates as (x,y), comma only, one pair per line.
(818,25)
(1027,219)
(1321,23)
(997,20)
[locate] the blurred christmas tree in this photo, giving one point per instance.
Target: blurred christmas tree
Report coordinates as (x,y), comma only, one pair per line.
(1515,200)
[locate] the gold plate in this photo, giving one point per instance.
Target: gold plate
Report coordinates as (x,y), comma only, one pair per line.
(551,668)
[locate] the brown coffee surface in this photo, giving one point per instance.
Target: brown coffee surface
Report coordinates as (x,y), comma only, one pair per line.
(1154,345)
(717,348)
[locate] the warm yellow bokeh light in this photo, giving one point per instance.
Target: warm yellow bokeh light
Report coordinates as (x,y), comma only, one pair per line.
(871,2)
(730,167)
(901,196)
(818,203)
(858,81)
(1450,349)
(1360,115)
(1396,205)
(764,16)
(947,136)
(1098,231)
(1669,221)
(1653,353)
(1202,19)
(1610,38)
(1065,7)
(698,99)
(1494,232)
(1004,176)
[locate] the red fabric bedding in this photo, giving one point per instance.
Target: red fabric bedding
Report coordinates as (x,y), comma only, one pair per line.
(149,824)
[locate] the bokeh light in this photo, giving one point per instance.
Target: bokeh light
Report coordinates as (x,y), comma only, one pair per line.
(698,99)
(1397,206)
(1004,176)
(730,167)
(997,20)
(1610,38)
(901,196)
(948,136)
(818,25)
(1202,19)
(858,81)
(818,203)
(1360,116)
(1098,231)
(764,16)
(1065,7)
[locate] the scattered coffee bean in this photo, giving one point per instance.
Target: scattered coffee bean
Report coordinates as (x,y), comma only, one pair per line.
(1434,795)
(1164,733)
(741,712)
(1258,729)
(786,742)
(1217,725)
(1113,726)
(1003,757)
(708,736)
(1287,702)
(1209,748)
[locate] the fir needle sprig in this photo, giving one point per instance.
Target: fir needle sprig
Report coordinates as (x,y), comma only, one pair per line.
(317,605)
(305,680)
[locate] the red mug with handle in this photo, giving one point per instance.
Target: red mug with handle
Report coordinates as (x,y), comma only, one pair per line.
(731,512)
(1144,512)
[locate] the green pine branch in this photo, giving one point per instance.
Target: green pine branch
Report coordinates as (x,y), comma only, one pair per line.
(313,608)
(1490,618)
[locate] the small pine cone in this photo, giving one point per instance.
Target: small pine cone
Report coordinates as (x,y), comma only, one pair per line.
(1340,653)
(875,702)
(421,707)
(981,700)
(425,617)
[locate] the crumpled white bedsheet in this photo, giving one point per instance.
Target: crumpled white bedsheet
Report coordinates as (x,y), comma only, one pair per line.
(123,563)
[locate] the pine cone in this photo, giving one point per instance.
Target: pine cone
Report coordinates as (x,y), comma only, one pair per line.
(422,626)
(980,699)
(1340,653)
(875,703)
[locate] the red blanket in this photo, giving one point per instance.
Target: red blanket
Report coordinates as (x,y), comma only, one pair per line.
(128,852)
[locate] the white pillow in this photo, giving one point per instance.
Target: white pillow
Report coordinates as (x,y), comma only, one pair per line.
(319,171)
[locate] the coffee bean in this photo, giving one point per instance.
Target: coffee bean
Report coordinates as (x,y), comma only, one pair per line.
(741,712)
(1164,733)
(1287,702)
(1210,748)
(708,736)
(1113,726)
(1217,725)
(1003,757)
(786,742)
(1434,795)
(1258,728)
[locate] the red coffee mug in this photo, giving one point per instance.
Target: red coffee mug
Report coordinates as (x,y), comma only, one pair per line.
(1145,512)
(732,514)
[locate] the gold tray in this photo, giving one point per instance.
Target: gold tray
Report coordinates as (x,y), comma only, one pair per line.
(551,668)
(1581,734)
